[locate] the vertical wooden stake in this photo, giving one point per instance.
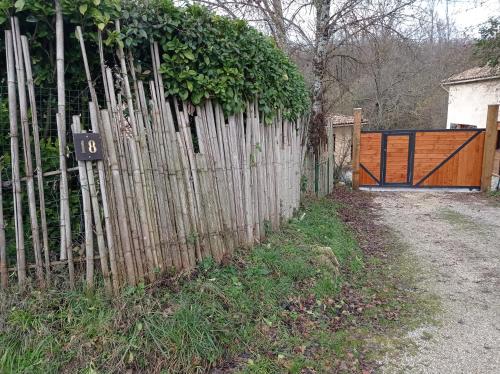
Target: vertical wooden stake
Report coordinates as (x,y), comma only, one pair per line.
(120,198)
(38,157)
(87,212)
(356,140)
(61,127)
(14,148)
(26,140)
(105,208)
(4,276)
(490,142)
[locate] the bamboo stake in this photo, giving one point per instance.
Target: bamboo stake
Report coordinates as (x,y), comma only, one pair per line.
(146,169)
(14,145)
(122,133)
(208,137)
(61,129)
(28,162)
(106,210)
(8,183)
(4,276)
(95,123)
(209,189)
(243,175)
(161,206)
(247,187)
(236,168)
(90,83)
(275,192)
(101,244)
(172,162)
(164,212)
(254,173)
(116,117)
(222,130)
(241,147)
(95,207)
(214,127)
(164,161)
(120,199)
(38,157)
(188,165)
(87,213)
(136,162)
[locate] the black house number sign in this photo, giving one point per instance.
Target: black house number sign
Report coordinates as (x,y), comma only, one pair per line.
(88,146)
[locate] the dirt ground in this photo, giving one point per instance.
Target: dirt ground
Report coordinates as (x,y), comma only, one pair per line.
(455,237)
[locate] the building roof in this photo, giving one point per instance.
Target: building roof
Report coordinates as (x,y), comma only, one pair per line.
(474,74)
(341,120)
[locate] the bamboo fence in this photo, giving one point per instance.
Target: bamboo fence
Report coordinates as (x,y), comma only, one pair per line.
(177,182)
(319,167)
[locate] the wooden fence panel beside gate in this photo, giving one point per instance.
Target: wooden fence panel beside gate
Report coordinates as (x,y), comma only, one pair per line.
(422,158)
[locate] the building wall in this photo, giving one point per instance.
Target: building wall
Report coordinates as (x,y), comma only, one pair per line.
(343,141)
(495,180)
(468,102)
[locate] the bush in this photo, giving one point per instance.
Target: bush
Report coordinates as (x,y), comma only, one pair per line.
(203,55)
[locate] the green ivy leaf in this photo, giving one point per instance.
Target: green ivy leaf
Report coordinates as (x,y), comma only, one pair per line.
(184,95)
(19,5)
(189,55)
(101,26)
(196,98)
(83,9)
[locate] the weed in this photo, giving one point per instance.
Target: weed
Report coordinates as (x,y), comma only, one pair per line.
(464,222)
(284,306)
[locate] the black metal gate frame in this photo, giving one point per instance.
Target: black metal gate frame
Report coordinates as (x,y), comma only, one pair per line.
(411,156)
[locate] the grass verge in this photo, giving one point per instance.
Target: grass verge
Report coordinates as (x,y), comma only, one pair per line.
(309,299)
(494,195)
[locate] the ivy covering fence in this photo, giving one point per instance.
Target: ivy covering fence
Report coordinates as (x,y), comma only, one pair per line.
(203,128)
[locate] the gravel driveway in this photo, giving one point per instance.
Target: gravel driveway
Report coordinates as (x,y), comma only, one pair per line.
(456,238)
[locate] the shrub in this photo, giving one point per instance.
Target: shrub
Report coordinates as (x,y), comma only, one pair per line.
(203,55)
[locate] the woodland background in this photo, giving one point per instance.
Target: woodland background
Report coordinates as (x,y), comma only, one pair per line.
(387,57)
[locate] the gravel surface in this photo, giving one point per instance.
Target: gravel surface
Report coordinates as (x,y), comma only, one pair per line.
(456,237)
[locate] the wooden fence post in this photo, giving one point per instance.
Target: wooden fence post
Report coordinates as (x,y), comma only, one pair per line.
(356,140)
(490,142)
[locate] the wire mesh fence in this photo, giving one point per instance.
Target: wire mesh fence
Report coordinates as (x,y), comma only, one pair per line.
(46,110)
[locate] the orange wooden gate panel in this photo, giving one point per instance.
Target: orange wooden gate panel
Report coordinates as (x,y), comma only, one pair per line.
(370,147)
(396,159)
(420,158)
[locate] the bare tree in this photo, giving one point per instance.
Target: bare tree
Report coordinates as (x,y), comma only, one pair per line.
(398,72)
(318,28)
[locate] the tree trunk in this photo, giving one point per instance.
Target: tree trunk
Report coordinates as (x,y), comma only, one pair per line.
(319,66)
(279,25)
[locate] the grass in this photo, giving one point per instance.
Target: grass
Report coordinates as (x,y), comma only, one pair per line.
(464,222)
(458,219)
(403,303)
(301,300)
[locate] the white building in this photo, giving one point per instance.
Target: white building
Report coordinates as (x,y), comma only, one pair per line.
(469,94)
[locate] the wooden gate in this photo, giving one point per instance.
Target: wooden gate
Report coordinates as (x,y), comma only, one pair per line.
(422,158)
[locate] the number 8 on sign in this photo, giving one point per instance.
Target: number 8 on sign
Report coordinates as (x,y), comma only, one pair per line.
(87,146)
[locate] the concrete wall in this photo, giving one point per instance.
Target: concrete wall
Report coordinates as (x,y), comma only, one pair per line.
(468,102)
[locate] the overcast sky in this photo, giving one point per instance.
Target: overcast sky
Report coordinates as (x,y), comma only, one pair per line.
(470,14)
